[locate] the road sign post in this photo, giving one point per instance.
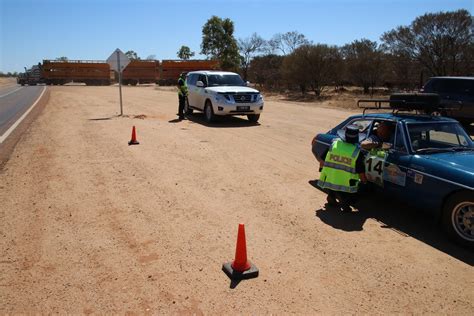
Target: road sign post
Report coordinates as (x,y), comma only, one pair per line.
(118,61)
(120,81)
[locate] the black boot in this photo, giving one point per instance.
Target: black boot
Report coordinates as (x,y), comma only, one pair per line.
(347,209)
(331,200)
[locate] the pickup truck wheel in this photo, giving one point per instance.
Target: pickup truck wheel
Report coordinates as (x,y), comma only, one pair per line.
(458,217)
(187,109)
(209,112)
(253,117)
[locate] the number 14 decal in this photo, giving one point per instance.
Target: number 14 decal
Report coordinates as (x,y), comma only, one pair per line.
(377,167)
(374,169)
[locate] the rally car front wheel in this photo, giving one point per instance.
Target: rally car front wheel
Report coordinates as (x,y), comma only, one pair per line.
(458,217)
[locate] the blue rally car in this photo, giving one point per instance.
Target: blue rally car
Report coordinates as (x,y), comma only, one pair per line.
(429,162)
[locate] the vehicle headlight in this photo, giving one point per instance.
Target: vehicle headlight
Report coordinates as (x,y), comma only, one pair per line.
(222,97)
(258,97)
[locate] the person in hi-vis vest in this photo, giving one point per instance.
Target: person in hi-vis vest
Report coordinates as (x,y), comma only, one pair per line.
(343,169)
(182,94)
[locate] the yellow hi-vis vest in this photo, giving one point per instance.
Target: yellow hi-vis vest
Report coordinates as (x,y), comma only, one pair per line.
(340,167)
(182,90)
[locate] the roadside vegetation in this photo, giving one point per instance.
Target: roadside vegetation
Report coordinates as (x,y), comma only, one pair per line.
(8,74)
(434,44)
(290,64)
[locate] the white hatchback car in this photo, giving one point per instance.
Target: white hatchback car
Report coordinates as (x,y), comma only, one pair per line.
(222,93)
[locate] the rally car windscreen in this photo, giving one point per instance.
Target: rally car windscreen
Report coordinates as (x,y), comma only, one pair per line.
(428,137)
(225,80)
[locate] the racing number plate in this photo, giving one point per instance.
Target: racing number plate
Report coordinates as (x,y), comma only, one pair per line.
(378,170)
(243,108)
(374,166)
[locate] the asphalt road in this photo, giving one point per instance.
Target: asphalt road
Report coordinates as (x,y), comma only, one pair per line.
(14,102)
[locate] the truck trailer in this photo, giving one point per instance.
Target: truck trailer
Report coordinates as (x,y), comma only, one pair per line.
(141,71)
(90,72)
(97,72)
(171,69)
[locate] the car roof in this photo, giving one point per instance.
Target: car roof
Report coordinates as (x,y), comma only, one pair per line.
(212,72)
(406,117)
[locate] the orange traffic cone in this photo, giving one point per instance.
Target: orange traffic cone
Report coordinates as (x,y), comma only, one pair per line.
(134,140)
(241,268)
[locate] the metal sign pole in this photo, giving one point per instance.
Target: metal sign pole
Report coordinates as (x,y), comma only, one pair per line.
(120,82)
(118,61)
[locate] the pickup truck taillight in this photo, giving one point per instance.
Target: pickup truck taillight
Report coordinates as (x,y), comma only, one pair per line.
(314,140)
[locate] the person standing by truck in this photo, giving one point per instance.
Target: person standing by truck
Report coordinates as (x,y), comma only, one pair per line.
(182,94)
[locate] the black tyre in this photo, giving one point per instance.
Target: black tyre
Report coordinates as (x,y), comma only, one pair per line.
(209,112)
(458,217)
(253,117)
(187,109)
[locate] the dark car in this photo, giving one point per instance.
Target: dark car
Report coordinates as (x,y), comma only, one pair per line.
(456,96)
(430,164)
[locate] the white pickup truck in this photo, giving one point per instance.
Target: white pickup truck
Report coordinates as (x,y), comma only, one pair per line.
(222,93)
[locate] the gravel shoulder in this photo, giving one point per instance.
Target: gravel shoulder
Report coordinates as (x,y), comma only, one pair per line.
(89,224)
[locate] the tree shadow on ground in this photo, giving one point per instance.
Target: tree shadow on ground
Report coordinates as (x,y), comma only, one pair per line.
(308,97)
(103,118)
(397,216)
(221,122)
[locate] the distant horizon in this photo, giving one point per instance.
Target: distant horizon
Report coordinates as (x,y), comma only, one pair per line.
(33,30)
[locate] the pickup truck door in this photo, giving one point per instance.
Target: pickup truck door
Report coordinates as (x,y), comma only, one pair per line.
(201,93)
(191,82)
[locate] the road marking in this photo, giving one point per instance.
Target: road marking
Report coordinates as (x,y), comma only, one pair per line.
(12,128)
(4,95)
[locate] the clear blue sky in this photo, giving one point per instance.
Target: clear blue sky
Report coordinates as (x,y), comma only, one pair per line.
(32,30)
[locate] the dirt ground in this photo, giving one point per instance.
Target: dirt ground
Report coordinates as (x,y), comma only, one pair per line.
(89,224)
(8,81)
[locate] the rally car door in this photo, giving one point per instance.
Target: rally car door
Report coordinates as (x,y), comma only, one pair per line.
(387,169)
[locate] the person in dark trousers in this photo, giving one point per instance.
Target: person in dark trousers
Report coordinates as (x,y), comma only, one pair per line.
(182,94)
(343,169)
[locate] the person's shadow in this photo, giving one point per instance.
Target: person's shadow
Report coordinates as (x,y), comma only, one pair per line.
(176,120)
(334,217)
(397,216)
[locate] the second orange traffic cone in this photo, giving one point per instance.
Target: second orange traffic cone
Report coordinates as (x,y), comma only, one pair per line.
(134,140)
(240,268)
